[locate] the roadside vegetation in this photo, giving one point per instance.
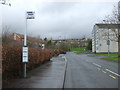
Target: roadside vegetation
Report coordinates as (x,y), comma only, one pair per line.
(12,57)
(83,50)
(112,58)
(88,50)
(80,50)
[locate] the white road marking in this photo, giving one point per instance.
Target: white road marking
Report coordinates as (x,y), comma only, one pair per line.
(64,58)
(112,72)
(107,70)
(98,68)
(112,76)
(96,65)
(103,71)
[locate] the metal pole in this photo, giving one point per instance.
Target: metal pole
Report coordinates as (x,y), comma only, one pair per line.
(108,43)
(24,70)
(25,44)
(119,29)
(25,36)
(108,50)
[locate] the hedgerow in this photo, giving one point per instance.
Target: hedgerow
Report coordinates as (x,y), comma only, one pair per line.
(12,59)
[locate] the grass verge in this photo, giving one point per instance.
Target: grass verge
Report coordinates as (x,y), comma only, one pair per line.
(92,54)
(81,49)
(78,50)
(112,58)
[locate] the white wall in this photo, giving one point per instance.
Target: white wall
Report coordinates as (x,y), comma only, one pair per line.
(99,42)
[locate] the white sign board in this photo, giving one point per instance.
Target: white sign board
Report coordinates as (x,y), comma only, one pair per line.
(43,46)
(30,15)
(25,54)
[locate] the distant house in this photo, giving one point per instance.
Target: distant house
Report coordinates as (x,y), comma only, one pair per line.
(83,42)
(31,41)
(80,42)
(17,37)
(104,38)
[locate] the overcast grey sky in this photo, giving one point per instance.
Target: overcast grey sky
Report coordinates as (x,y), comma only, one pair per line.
(56,19)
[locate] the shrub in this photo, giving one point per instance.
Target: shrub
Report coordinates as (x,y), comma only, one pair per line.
(12,59)
(62,51)
(89,47)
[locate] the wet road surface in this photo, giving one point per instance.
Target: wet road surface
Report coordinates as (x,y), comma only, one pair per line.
(90,72)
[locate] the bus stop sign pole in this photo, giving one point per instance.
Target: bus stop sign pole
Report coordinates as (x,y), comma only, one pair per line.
(29,15)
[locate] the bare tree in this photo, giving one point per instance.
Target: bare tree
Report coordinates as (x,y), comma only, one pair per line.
(5,35)
(113,26)
(110,32)
(119,28)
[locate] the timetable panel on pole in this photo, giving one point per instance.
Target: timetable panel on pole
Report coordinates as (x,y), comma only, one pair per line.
(25,54)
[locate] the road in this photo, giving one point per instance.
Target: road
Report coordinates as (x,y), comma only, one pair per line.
(89,72)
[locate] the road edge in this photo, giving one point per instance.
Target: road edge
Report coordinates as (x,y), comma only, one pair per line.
(64,76)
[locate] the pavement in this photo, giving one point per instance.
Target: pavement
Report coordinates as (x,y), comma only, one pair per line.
(49,75)
(90,72)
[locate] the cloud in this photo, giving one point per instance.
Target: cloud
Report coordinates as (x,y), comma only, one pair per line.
(55,19)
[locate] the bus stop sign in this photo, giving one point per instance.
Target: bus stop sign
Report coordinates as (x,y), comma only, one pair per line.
(25,54)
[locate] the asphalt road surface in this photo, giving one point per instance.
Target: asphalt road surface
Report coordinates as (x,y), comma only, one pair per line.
(89,72)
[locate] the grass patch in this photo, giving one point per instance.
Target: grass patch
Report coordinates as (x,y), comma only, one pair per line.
(81,49)
(92,54)
(89,53)
(85,53)
(112,58)
(78,50)
(111,54)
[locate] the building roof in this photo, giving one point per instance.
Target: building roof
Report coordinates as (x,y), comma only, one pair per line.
(102,25)
(21,36)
